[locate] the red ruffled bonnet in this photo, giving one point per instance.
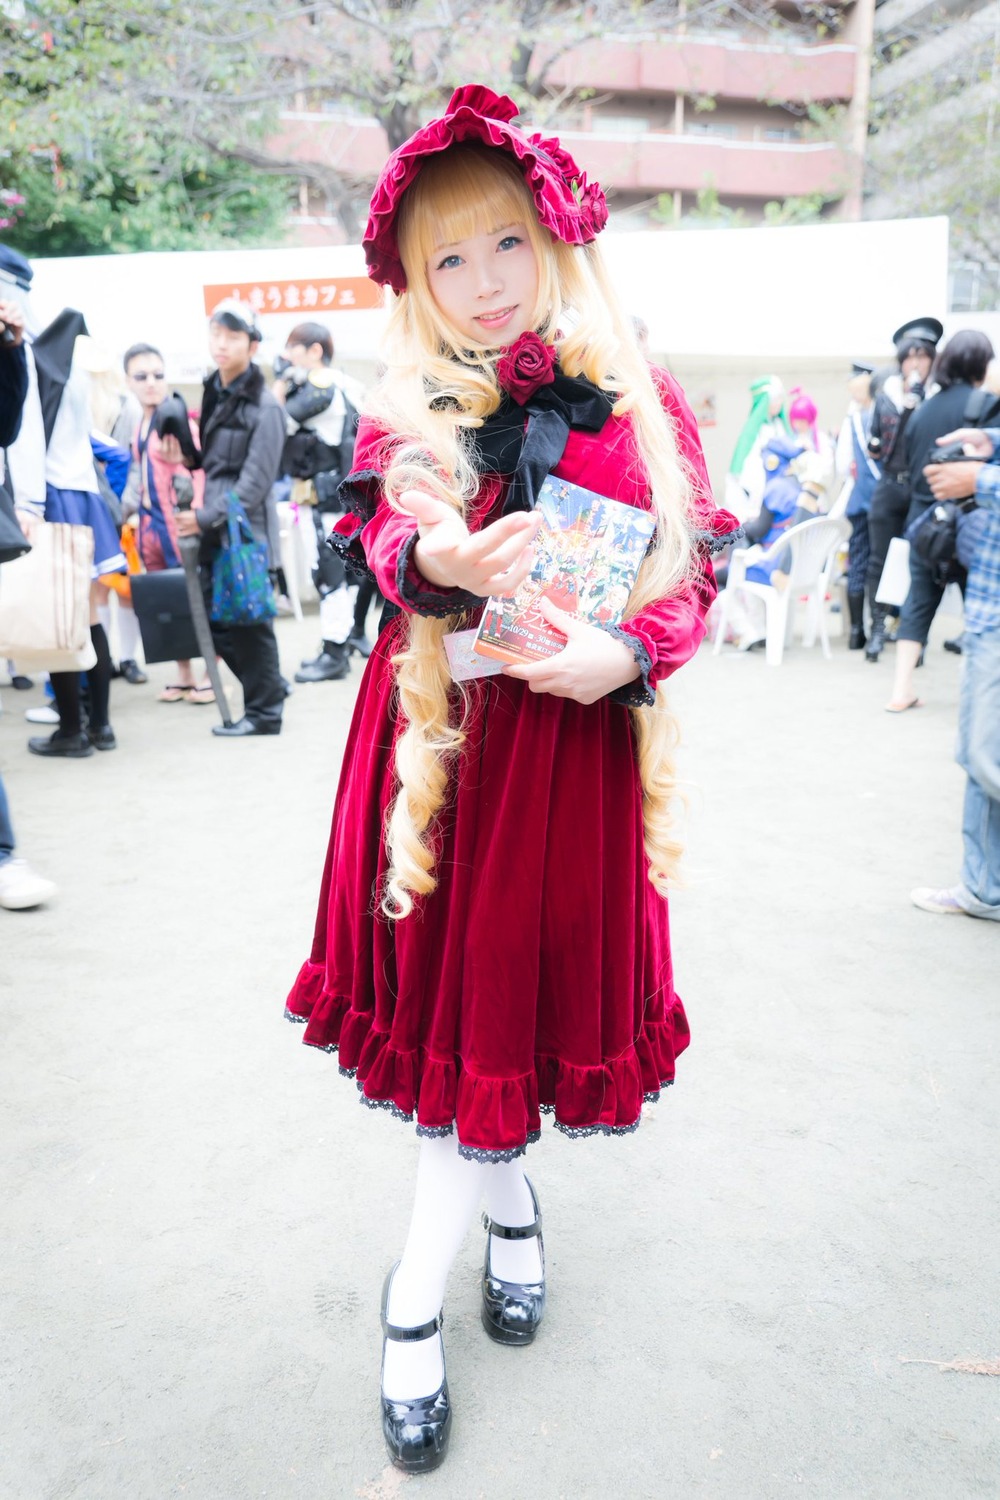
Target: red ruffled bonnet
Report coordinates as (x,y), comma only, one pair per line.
(569,206)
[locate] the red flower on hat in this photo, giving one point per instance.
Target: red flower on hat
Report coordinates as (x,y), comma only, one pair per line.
(527,365)
(572,209)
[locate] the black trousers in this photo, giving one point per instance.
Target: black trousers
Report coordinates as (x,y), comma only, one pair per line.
(251,654)
(886,519)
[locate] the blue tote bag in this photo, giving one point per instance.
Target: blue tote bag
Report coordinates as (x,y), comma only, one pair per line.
(241,584)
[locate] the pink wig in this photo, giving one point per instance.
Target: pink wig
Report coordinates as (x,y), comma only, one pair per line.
(803,409)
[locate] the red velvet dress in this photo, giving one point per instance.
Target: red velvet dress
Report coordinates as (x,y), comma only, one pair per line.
(537,976)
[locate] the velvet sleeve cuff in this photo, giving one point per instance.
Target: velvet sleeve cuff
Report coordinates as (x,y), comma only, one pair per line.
(640,693)
(359,493)
(711,541)
(421,597)
(345,540)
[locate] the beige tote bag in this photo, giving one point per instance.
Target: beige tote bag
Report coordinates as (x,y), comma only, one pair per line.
(45,601)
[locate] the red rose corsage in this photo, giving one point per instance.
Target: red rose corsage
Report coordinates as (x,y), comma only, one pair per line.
(525,367)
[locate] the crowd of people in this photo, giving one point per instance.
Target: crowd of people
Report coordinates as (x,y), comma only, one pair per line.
(121,455)
(108,448)
(916,461)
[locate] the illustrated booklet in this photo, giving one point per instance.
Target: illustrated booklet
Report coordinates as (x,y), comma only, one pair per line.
(587,553)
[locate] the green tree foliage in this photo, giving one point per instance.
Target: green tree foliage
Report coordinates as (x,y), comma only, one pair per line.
(89,137)
(134,124)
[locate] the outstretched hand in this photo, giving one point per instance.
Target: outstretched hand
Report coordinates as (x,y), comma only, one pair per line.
(591,664)
(494,560)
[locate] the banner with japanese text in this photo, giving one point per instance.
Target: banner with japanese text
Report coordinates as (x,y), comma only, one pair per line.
(345,294)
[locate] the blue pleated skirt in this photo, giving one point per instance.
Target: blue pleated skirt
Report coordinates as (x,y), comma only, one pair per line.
(85,508)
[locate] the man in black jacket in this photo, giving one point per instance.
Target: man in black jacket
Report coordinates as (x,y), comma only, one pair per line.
(242,434)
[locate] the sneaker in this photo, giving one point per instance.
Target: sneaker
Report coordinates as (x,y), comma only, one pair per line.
(944,902)
(41,716)
(21,888)
(132,673)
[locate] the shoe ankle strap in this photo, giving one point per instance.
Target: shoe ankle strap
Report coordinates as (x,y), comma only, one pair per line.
(399,1335)
(518,1232)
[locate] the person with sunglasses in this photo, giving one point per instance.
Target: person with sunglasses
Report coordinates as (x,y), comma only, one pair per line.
(157,512)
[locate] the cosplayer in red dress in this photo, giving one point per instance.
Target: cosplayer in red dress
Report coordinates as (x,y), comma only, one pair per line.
(536,975)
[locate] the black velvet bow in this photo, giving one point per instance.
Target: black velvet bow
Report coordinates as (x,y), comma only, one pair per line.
(528,453)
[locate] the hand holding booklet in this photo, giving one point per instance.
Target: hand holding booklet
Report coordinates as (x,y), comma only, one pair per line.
(587,553)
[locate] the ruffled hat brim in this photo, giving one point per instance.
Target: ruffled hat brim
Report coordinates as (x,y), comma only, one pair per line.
(570,207)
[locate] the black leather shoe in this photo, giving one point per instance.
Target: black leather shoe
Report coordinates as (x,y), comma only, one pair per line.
(103,738)
(513,1310)
(243,728)
(70,746)
(133,673)
(328,667)
(876,641)
(416,1432)
(359,642)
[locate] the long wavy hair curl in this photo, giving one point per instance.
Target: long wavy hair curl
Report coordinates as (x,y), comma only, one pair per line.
(434,393)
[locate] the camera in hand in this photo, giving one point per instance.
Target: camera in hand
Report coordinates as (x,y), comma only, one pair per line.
(952,453)
(183,489)
(171,420)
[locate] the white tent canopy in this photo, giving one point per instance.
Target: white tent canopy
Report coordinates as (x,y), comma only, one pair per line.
(833,289)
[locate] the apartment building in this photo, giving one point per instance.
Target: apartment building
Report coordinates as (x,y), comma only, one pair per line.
(674,125)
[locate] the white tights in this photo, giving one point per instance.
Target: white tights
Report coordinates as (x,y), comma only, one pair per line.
(449,1191)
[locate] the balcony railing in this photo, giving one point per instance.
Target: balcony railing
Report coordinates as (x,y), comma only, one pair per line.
(649,162)
(734,168)
(723,69)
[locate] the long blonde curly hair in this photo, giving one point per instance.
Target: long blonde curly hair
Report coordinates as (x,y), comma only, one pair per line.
(434,393)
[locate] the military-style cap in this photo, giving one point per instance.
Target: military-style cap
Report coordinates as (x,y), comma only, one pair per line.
(860,367)
(919,331)
(14,266)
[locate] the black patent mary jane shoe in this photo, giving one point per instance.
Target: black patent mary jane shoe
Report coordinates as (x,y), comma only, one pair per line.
(513,1310)
(416,1432)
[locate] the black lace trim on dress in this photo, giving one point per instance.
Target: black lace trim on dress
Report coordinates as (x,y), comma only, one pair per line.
(355,492)
(476,1153)
(386,1104)
(581,1132)
(640,693)
(351,552)
(473,1153)
(428,600)
(711,542)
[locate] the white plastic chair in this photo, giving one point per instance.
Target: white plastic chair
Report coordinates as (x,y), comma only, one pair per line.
(812,547)
(839,506)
